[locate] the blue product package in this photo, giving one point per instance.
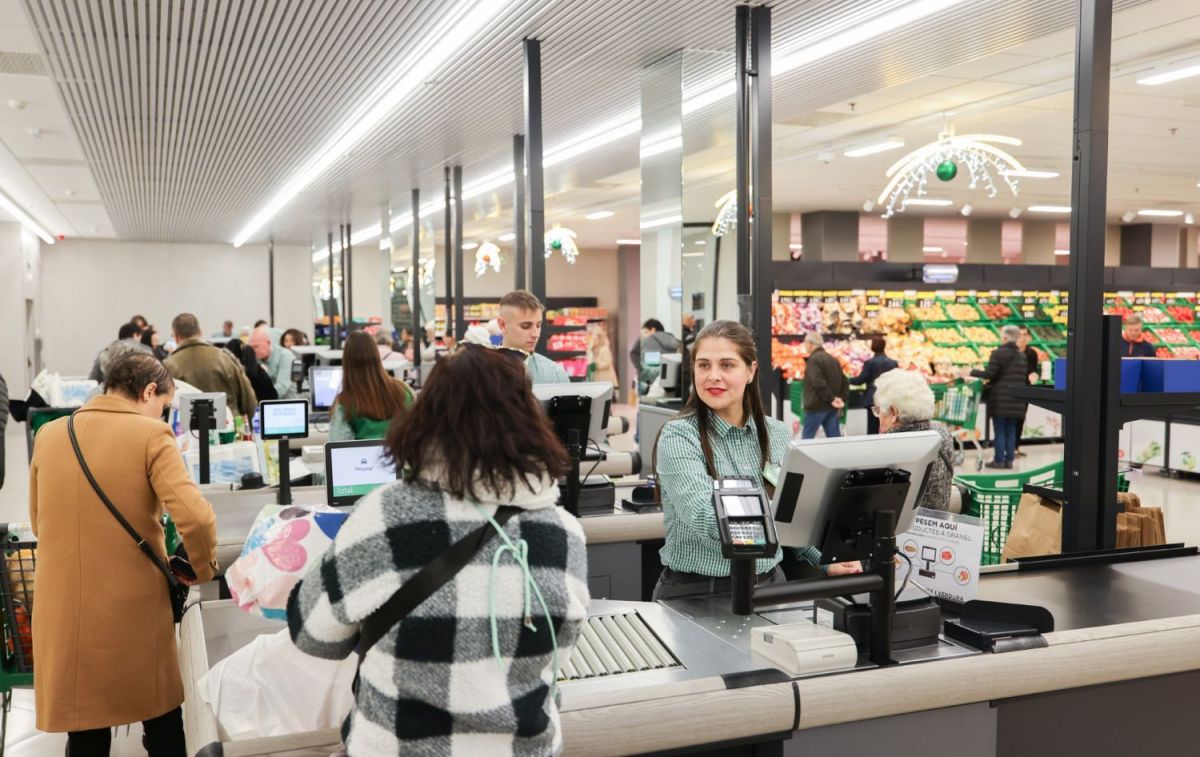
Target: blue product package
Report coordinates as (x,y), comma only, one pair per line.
(1131,373)
(1171,376)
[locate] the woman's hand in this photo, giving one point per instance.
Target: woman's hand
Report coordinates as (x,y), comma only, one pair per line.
(845,568)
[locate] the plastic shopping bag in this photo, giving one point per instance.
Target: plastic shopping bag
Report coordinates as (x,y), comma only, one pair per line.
(270,688)
(283,542)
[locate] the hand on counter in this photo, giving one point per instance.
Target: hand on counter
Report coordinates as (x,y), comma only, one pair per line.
(845,568)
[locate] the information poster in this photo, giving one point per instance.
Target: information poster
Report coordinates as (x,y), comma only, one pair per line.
(945,552)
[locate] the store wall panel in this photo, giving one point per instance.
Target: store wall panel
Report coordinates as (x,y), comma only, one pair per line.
(97,285)
(1135,244)
(12,311)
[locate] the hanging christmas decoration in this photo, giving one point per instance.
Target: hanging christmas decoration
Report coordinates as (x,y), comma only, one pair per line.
(425,272)
(726,214)
(562,239)
(488,255)
(977,154)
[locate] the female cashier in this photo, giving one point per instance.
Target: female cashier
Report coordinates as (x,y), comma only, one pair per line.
(721,431)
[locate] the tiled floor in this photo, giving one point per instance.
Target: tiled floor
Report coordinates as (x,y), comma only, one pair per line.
(1180,500)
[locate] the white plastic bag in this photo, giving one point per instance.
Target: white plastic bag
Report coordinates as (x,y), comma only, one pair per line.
(270,688)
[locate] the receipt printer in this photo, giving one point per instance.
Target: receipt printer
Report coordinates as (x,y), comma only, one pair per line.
(800,649)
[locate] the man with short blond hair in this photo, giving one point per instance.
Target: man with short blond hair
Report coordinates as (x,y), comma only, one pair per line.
(520,324)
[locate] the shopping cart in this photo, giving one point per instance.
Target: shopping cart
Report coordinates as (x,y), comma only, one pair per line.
(956,406)
(993,498)
(16,614)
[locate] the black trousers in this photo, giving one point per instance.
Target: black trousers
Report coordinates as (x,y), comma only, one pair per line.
(872,423)
(164,738)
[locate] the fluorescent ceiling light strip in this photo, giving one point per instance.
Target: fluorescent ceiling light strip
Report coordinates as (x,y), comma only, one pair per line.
(657,222)
(862,152)
(928,202)
(470,245)
(1152,213)
(1030,174)
(599,215)
(457,27)
(507,237)
(1049,208)
(933,249)
(1170,76)
(1060,253)
(26,220)
(629,241)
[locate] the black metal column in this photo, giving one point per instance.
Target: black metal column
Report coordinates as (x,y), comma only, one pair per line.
(414,289)
(271,280)
(348,277)
(345,298)
(333,339)
(449,260)
(1086,470)
(762,282)
(460,315)
(533,163)
(742,159)
(519,209)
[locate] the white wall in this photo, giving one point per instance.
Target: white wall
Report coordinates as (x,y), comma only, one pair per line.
(20,284)
(91,287)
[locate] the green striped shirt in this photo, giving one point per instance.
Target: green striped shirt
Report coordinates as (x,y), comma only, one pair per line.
(543,370)
(693,543)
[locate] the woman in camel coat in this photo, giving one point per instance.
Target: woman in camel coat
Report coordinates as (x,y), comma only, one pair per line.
(103,636)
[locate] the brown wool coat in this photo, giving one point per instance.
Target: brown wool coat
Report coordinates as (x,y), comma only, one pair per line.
(103,639)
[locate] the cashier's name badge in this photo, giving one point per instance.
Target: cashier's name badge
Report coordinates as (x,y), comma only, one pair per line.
(944,550)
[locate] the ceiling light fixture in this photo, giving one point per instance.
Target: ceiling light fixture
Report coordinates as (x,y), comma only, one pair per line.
(1049,208)
(933,249)
(927,202)
(1128,216)
(1154,213)
(15,210)
(967,210)
(1172,75)
(891,143)
(868,206)
(1027,173)
(795,247)
(1189,219)
(977,153)
(507,237)
(1061,253)
(470,245)
(599,215)
(657,222)
(1015,213)
(487,256)
(456,29)
(629,241)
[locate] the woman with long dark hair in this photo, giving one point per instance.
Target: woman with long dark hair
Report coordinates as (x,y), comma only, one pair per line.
(369,398)
(472,669)
(722,430)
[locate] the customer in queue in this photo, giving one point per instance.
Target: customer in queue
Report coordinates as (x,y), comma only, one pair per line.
(293,338)
(260,380)
(369,398)
(472,670)
(721,431)
(520,322)
(904,402)
(878,365)
(1133,343)
(276,360)
(151,339)
(127,341)
(1006,370)
(209,368)
(103,636)
(226,331)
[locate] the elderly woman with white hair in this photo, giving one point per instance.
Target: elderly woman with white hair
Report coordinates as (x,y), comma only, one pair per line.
(1006,370)
(904,402)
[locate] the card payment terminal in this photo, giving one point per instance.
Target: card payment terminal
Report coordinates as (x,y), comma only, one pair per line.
(744,519)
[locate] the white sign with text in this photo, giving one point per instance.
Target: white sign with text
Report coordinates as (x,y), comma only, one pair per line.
(945,551)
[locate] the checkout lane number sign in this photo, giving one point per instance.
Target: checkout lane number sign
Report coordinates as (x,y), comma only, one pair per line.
(945,550)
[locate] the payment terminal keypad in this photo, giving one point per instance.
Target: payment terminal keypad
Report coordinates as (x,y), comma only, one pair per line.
(747,534)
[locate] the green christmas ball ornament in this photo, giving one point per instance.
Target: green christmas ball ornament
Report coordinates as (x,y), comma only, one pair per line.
(556,244)
(947,170)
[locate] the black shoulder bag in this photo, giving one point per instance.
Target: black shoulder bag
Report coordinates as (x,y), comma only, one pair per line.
(177,591)
(436,574)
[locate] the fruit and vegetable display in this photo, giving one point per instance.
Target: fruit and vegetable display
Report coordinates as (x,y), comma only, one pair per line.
(962,312)
(1171,336)
(981,335)
(942,335)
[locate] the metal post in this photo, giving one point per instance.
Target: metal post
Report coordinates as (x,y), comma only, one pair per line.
(742,160)
(533,162)
(449,261)
(271,280)
(333,340)
(460,314)
(1084,464)
(348,276)
(414,289)
(762,281)
(519,209)
(345,279)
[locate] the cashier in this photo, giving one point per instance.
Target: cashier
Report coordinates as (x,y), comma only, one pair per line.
(1131,334)
(721,431)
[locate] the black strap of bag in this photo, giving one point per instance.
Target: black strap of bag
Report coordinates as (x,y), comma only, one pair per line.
(436,574)
(178,591)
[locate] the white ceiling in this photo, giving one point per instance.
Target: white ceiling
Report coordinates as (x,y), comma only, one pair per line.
(178,120)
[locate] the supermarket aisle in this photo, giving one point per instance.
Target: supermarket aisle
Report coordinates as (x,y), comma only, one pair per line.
(23,740)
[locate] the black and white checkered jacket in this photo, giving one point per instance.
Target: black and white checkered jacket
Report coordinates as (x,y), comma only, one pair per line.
(432,685)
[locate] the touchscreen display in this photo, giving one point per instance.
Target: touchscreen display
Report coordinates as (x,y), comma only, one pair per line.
(737,505)
(285,418)
(355,471)
(326,383)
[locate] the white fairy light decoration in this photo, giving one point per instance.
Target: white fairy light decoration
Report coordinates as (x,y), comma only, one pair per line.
(562,239)
(488,255)
(726,214)
(425,272)
(909,176)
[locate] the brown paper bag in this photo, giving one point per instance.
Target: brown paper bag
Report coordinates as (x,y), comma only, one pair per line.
(1036,528)
(1154,531)
(1129,530)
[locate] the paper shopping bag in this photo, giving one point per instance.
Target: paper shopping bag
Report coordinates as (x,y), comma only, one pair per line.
(1036,528)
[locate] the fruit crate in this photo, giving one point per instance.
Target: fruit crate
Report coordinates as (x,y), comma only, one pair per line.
(942,333)
(1170,336)
(982,334)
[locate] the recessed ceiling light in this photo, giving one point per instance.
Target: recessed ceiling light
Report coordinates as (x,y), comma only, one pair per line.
(1189,218)
(1049,208)
(507,237)
(1030,174)
(891,143)
(1060,253)
(927,202)
(868,206)
(700,242)
(933,249)
(629,241)
(599,215)
(470,245)
(1154,213)
(1170,76)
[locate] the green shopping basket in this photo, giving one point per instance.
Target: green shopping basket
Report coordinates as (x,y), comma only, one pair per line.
(16,614)
(993,498)
(956,405)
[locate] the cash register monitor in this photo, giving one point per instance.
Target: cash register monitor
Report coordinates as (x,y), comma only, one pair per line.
(326,382)
(185,408)
(886,471)
(356,468)
(600,393)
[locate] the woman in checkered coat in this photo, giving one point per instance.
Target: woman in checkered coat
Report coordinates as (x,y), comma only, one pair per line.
(445,680)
